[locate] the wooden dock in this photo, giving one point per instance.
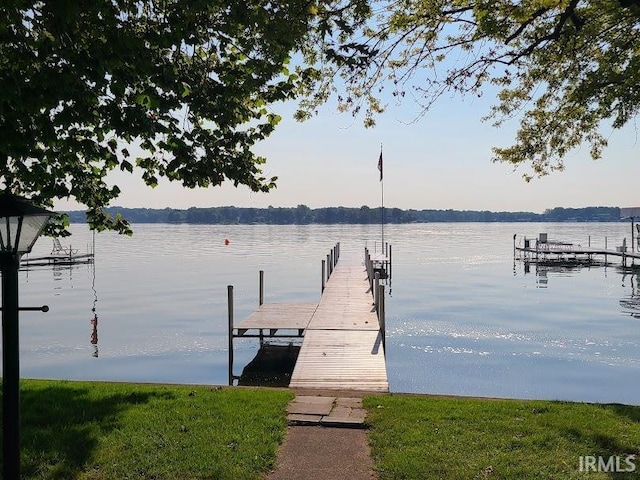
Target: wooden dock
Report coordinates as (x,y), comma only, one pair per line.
(343,342)
(59,256)
(545,251)
(342,347)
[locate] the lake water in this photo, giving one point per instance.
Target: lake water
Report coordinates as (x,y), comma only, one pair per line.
(462,316)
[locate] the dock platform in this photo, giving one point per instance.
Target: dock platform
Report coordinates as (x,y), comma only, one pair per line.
(343,341)
(272,317)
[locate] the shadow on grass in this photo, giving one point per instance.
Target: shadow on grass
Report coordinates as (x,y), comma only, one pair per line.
(617,456)
(61,426)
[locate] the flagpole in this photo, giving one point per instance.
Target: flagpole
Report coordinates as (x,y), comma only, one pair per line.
(382,200)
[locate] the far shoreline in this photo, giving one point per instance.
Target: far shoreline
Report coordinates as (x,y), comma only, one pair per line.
(303,215)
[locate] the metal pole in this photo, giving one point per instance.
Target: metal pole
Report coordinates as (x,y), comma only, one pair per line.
(230,306)
(381,318)
(376,298)
(370,274)
(381,206)
(261,287)
(10,369)
(366,264)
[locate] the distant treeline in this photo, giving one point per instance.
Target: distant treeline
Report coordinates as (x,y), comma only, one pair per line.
(302,215)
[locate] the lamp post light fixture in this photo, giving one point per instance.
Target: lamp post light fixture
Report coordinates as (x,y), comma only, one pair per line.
(21,223)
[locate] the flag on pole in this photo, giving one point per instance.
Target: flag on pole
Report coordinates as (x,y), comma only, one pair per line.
(380,165)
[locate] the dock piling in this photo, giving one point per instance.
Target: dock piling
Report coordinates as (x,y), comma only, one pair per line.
(381,317)
(261,288)
(230,308)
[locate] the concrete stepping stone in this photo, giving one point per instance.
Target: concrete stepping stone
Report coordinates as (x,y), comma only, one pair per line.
(327,411)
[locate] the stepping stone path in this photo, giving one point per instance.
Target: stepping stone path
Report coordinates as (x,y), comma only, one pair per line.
(327,411)
(319,447)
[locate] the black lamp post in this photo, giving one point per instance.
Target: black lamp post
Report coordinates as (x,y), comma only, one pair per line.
(21,224)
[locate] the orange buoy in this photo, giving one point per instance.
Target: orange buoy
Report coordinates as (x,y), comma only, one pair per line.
(226,241)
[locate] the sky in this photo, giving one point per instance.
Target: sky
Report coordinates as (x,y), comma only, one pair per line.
(441,161)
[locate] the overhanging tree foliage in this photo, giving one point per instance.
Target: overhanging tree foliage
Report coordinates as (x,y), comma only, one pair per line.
(170,88)
(566,68)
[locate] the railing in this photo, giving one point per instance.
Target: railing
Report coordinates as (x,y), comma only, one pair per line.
(329,264)
(377,291)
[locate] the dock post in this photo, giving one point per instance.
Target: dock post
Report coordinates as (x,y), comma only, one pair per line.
(261,301)
(323,268)
(328,266)
(367,264)
(390,262)
(261,291)
(381,318)
(376,293)
(230,306)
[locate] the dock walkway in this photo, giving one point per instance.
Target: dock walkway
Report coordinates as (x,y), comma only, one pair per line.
(342,346)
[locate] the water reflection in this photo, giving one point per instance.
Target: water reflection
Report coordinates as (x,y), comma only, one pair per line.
(94,335)
(631,303)
(94,320)
(542,270)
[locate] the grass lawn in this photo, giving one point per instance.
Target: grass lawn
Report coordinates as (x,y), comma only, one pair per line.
(117,431)
(100,431)
(417,437)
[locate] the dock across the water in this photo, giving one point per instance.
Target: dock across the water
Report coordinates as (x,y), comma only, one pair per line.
(342,335)
(59,256)
(542,249)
